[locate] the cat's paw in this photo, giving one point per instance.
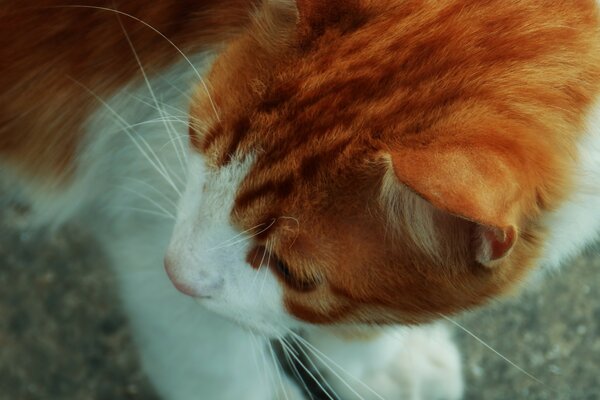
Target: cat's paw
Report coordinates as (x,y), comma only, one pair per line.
(425,366)
(403,364)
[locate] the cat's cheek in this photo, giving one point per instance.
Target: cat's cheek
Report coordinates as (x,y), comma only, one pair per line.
(207,256)
(255,301)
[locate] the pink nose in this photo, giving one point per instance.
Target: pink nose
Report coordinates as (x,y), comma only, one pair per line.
(176,280)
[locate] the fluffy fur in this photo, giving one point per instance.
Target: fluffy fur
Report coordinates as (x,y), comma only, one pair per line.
(347,162)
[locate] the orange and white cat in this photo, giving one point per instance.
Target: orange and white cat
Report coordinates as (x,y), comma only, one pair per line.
(351,170)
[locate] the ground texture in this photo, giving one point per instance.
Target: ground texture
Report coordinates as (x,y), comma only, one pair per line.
(63,335)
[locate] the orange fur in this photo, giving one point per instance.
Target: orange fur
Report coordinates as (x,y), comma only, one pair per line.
(49,52)
(467,110)
(478,105)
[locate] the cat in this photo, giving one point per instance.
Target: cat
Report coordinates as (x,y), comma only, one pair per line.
(352,170)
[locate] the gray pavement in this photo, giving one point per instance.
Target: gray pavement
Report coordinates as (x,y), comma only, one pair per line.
(63,335)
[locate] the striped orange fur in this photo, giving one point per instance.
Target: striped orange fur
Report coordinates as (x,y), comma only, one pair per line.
(475,107)
(396,137)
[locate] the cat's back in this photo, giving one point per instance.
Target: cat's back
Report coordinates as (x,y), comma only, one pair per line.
(57,58)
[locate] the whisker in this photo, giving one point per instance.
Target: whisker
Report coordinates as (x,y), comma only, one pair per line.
(127,131)
(323,356)
(277,370)
(297,225)
(147,81)
(149,186)
(468,332)
(202,81)
(238,235)
(173,134)
(255,348)
(172,140)
(178,117)
(168,119)
(260,267)
(143,123)
(244,239)
(149,199)
(144,211)
(311,375)
(287,348)
(178,147)
(183,93)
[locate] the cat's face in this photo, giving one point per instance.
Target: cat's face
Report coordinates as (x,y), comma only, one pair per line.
(339,175)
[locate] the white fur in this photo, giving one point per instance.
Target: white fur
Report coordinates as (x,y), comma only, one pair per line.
(192,353)
(209,254)
(189,352)
(576,224)
(400,363)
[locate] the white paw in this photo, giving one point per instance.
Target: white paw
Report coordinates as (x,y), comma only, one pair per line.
(401,364)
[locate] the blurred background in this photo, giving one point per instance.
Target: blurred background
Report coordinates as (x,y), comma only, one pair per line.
(63,335)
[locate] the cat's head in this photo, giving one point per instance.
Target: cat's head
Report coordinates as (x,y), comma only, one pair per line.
(358,164)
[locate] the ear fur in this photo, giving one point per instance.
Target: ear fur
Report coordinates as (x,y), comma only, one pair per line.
(475,184)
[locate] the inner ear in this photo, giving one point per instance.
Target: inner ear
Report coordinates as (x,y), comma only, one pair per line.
(492,243)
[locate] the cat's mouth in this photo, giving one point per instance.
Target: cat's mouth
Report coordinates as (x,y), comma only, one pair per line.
(255,324)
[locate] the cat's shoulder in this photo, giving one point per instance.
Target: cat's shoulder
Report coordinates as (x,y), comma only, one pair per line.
(576,224)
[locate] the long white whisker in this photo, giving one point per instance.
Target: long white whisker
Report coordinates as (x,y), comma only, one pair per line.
(260,267)
(277,370)
(177,143)
(184,94)
(150,200)
(155,190)
(322,357)
(239,234)
(468,332)
(147,81)
(310,374)
(130,135)
(287,348)
(244,239)
(255,348)
(172,140)
(272,380)
(144,211)
(182,114)
(147,122)
(202,81)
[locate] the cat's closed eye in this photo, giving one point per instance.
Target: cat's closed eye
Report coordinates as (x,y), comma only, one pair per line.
(283,270)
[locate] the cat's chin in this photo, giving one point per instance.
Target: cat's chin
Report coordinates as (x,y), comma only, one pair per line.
(256,325)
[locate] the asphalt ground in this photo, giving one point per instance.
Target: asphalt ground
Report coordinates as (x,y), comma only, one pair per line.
(64,336)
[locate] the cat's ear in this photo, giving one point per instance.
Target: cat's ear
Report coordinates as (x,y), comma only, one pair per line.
(475,184)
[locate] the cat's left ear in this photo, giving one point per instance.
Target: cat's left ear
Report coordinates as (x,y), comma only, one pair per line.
(472,182)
